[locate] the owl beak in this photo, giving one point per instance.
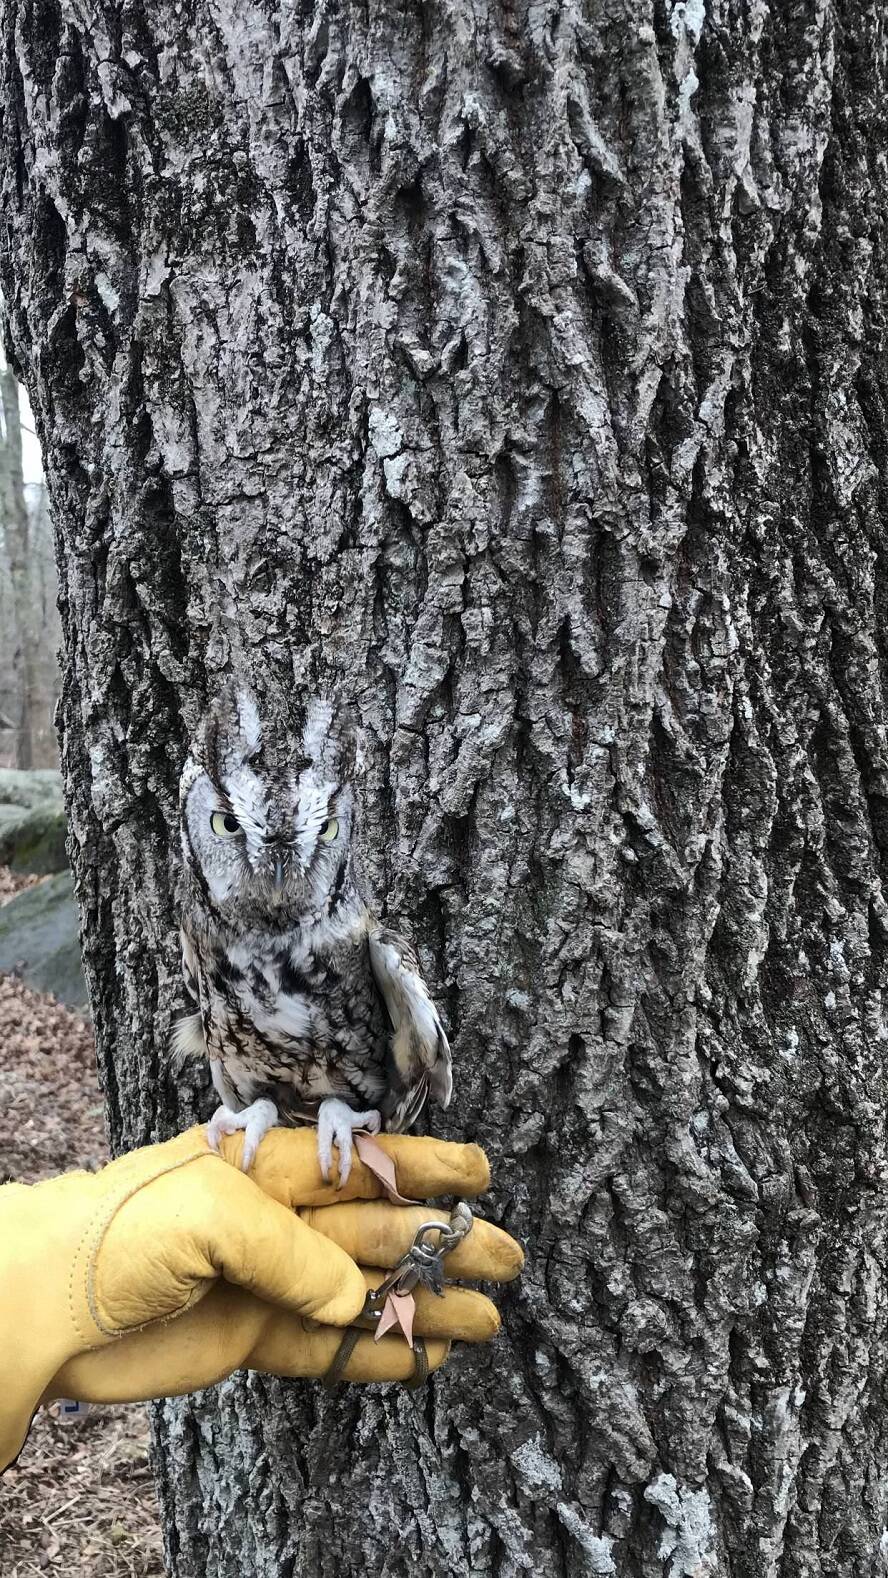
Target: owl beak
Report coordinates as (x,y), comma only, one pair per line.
(279,874)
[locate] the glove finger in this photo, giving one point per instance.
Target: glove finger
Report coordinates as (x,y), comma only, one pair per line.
(287,1168)
(378,1234)
(229,1330)
(460,1314)
(170,1241)
(390,1359)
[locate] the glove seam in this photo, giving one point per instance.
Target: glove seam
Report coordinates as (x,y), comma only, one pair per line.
(91,1241)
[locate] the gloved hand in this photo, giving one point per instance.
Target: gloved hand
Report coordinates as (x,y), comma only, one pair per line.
(170,1268)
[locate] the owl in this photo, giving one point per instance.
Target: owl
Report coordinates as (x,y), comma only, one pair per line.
(306,1007)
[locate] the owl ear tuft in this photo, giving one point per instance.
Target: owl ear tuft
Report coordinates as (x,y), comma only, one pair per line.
(351,735)
(347,753)
(231,730)
(344,731)
(250,724)
(328,736)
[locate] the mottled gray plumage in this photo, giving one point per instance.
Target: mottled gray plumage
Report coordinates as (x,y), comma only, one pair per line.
(302,996)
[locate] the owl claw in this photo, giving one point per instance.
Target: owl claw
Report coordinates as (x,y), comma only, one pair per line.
(255,1120)
(336,1120)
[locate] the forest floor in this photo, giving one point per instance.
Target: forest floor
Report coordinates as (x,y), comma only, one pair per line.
(80,1499)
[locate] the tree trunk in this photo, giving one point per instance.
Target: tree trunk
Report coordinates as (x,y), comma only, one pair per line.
(523,369)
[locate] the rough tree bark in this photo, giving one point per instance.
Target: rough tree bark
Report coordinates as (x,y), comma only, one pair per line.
(522,367)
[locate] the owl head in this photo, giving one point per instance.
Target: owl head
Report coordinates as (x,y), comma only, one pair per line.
(267,810)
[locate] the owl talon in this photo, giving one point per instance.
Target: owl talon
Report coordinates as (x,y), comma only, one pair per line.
(255,1120)
(336,1121)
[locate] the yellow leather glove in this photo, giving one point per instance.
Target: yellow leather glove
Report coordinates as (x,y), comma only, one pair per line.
(170,1268)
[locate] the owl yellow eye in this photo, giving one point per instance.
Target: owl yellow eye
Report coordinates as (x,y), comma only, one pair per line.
(224,824)
(328,831)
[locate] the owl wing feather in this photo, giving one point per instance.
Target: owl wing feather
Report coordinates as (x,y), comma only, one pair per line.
(189,966)
(420,1049)
(188,1036)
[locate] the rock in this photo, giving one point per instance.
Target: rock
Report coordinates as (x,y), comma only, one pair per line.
(29,789)
(33,839)
(39,939)
(32,821)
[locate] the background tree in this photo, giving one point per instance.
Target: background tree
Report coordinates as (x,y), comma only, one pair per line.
(14,565)
(29,625)
(522,368)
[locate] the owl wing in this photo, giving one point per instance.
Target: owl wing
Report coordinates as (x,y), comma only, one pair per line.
(420,1048)
(188,1037)
(189,967)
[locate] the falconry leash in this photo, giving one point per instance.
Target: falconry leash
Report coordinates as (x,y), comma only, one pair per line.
(392,1304)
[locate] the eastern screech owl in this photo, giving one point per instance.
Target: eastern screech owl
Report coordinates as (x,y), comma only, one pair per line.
(307,1008)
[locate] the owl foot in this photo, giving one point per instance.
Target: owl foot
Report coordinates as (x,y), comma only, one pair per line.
(335,1124)
(255,1120)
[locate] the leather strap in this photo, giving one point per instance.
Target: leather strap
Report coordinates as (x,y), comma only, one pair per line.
(343,1354)
(420,1366)
(381,1166)
(347,1347)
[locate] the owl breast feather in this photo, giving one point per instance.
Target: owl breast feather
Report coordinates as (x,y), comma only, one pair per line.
(318,1027)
